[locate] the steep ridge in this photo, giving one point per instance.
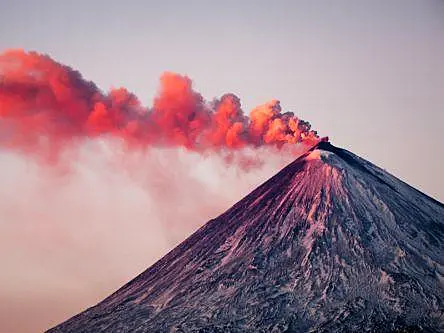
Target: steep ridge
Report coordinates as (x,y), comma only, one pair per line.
(331,243)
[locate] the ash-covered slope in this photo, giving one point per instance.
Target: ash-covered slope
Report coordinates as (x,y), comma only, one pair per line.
(331,243)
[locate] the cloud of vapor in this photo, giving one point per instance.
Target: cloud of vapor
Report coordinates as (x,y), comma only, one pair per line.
(67,241)
(45,106)
(140,179)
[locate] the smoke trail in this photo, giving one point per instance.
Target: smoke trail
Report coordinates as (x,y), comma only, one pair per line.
(141,179)
(46,106)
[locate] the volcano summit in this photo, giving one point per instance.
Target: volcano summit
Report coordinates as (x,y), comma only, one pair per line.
(331,243)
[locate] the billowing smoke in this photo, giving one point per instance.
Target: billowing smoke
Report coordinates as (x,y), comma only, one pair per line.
(140,180)
(45,106)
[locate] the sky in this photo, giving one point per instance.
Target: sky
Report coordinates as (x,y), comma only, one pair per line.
(368,74)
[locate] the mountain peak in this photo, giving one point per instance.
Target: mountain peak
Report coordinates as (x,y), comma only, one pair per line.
(324,148)
(335,246)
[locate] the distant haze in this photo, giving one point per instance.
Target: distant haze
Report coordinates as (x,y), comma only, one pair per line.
(369,74)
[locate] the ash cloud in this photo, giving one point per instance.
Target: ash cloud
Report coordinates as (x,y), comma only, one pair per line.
(96,186)
(46,106)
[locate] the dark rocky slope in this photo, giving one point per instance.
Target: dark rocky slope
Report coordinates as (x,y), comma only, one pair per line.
(331,243)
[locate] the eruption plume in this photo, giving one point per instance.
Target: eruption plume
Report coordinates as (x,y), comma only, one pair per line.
(47,105)
(121,208)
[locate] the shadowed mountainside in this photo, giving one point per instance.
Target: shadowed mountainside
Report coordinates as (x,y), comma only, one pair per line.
(331,243)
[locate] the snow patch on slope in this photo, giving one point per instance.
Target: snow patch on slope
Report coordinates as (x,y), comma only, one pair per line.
(318,154)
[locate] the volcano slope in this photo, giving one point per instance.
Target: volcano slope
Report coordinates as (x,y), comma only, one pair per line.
(331,243)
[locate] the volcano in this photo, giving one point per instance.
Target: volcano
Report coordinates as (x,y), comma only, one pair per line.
(332,243)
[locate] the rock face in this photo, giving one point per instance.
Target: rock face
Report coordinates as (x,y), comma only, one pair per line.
(331,243)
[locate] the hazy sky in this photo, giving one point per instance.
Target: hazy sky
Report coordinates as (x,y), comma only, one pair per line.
(369,74)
